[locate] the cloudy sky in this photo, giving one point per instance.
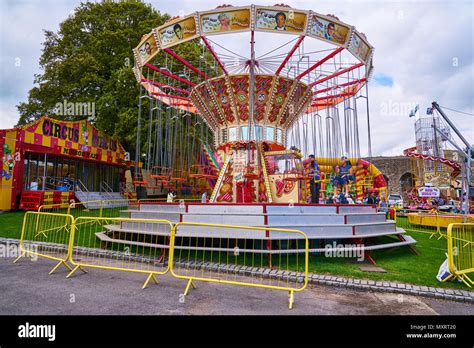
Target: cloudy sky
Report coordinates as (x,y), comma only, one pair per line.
(423,53)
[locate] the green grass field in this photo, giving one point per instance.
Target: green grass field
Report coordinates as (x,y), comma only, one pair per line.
(401,264)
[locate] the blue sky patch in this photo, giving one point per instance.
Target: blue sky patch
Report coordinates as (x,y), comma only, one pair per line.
(383,80)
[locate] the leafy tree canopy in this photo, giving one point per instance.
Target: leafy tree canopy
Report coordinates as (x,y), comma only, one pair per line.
(90,60)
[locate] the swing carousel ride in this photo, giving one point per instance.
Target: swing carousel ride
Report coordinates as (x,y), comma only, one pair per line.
(207,130)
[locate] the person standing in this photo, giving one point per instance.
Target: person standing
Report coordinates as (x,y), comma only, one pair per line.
(68,182)
(171,197)
(371,199)
(315,183)
(204,197)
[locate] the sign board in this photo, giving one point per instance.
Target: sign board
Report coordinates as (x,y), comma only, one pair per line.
(439,179)
(31,200)
(238,177)
(428,192)
(225,20)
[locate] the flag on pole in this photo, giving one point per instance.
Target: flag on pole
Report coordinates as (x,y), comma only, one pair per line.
(429,111)
(414,111)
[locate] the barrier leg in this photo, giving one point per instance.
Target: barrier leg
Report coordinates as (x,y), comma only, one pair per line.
(470,280)
(151,276)
(72,272)
(463,278)
(291,299)
(23,253)
(449,277)
(190,283)
(59,264)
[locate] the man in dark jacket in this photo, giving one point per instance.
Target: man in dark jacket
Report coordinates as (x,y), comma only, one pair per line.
(372,199)
(315,184)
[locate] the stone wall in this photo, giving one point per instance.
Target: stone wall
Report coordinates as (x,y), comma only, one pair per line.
(393,168)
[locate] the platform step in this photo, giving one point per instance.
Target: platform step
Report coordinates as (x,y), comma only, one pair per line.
(105,238)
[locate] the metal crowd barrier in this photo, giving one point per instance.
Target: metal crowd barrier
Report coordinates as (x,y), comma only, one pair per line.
(121,244)
(98,208)
(224,254)
(46,235)
(461,251)
(420,222)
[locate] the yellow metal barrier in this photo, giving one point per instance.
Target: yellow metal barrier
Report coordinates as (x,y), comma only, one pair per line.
(46,235)
(421,222)
(121,244)
(238,255)
(98,208)
(61,208)
(461,251)
(434,223)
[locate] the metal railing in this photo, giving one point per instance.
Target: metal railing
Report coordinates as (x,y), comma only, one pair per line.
(434,223)
(230,254)
(461,251)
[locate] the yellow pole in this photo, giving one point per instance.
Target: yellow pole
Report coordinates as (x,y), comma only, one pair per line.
(101,207)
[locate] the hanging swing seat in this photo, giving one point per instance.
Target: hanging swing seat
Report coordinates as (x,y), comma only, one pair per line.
(139,181)
(178,176)
(196,171)
(170,185)
(160,173)
(199,171)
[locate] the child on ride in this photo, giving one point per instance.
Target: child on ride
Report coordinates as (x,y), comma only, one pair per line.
(343,175)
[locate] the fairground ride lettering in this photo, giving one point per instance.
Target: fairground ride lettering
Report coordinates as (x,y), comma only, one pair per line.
(78,153)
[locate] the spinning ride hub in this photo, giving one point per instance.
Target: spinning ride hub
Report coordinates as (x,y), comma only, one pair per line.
(224,102)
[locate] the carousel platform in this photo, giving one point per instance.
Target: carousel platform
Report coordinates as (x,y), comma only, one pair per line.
(324,223)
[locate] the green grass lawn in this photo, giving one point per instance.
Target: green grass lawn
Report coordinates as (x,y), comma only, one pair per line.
(400,264)
(11,223)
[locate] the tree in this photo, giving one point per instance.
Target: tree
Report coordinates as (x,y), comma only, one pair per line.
(90,60)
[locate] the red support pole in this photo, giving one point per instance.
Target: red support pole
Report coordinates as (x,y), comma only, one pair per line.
(166,73)
(186,63)
(171,96)
(163,85)
(322,61)
(206,42)
(345,94)
(336,74)
(319,105)
(340,85)
(288,56)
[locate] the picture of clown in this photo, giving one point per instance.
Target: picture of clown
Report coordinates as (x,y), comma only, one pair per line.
(8,162)
(85,137)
